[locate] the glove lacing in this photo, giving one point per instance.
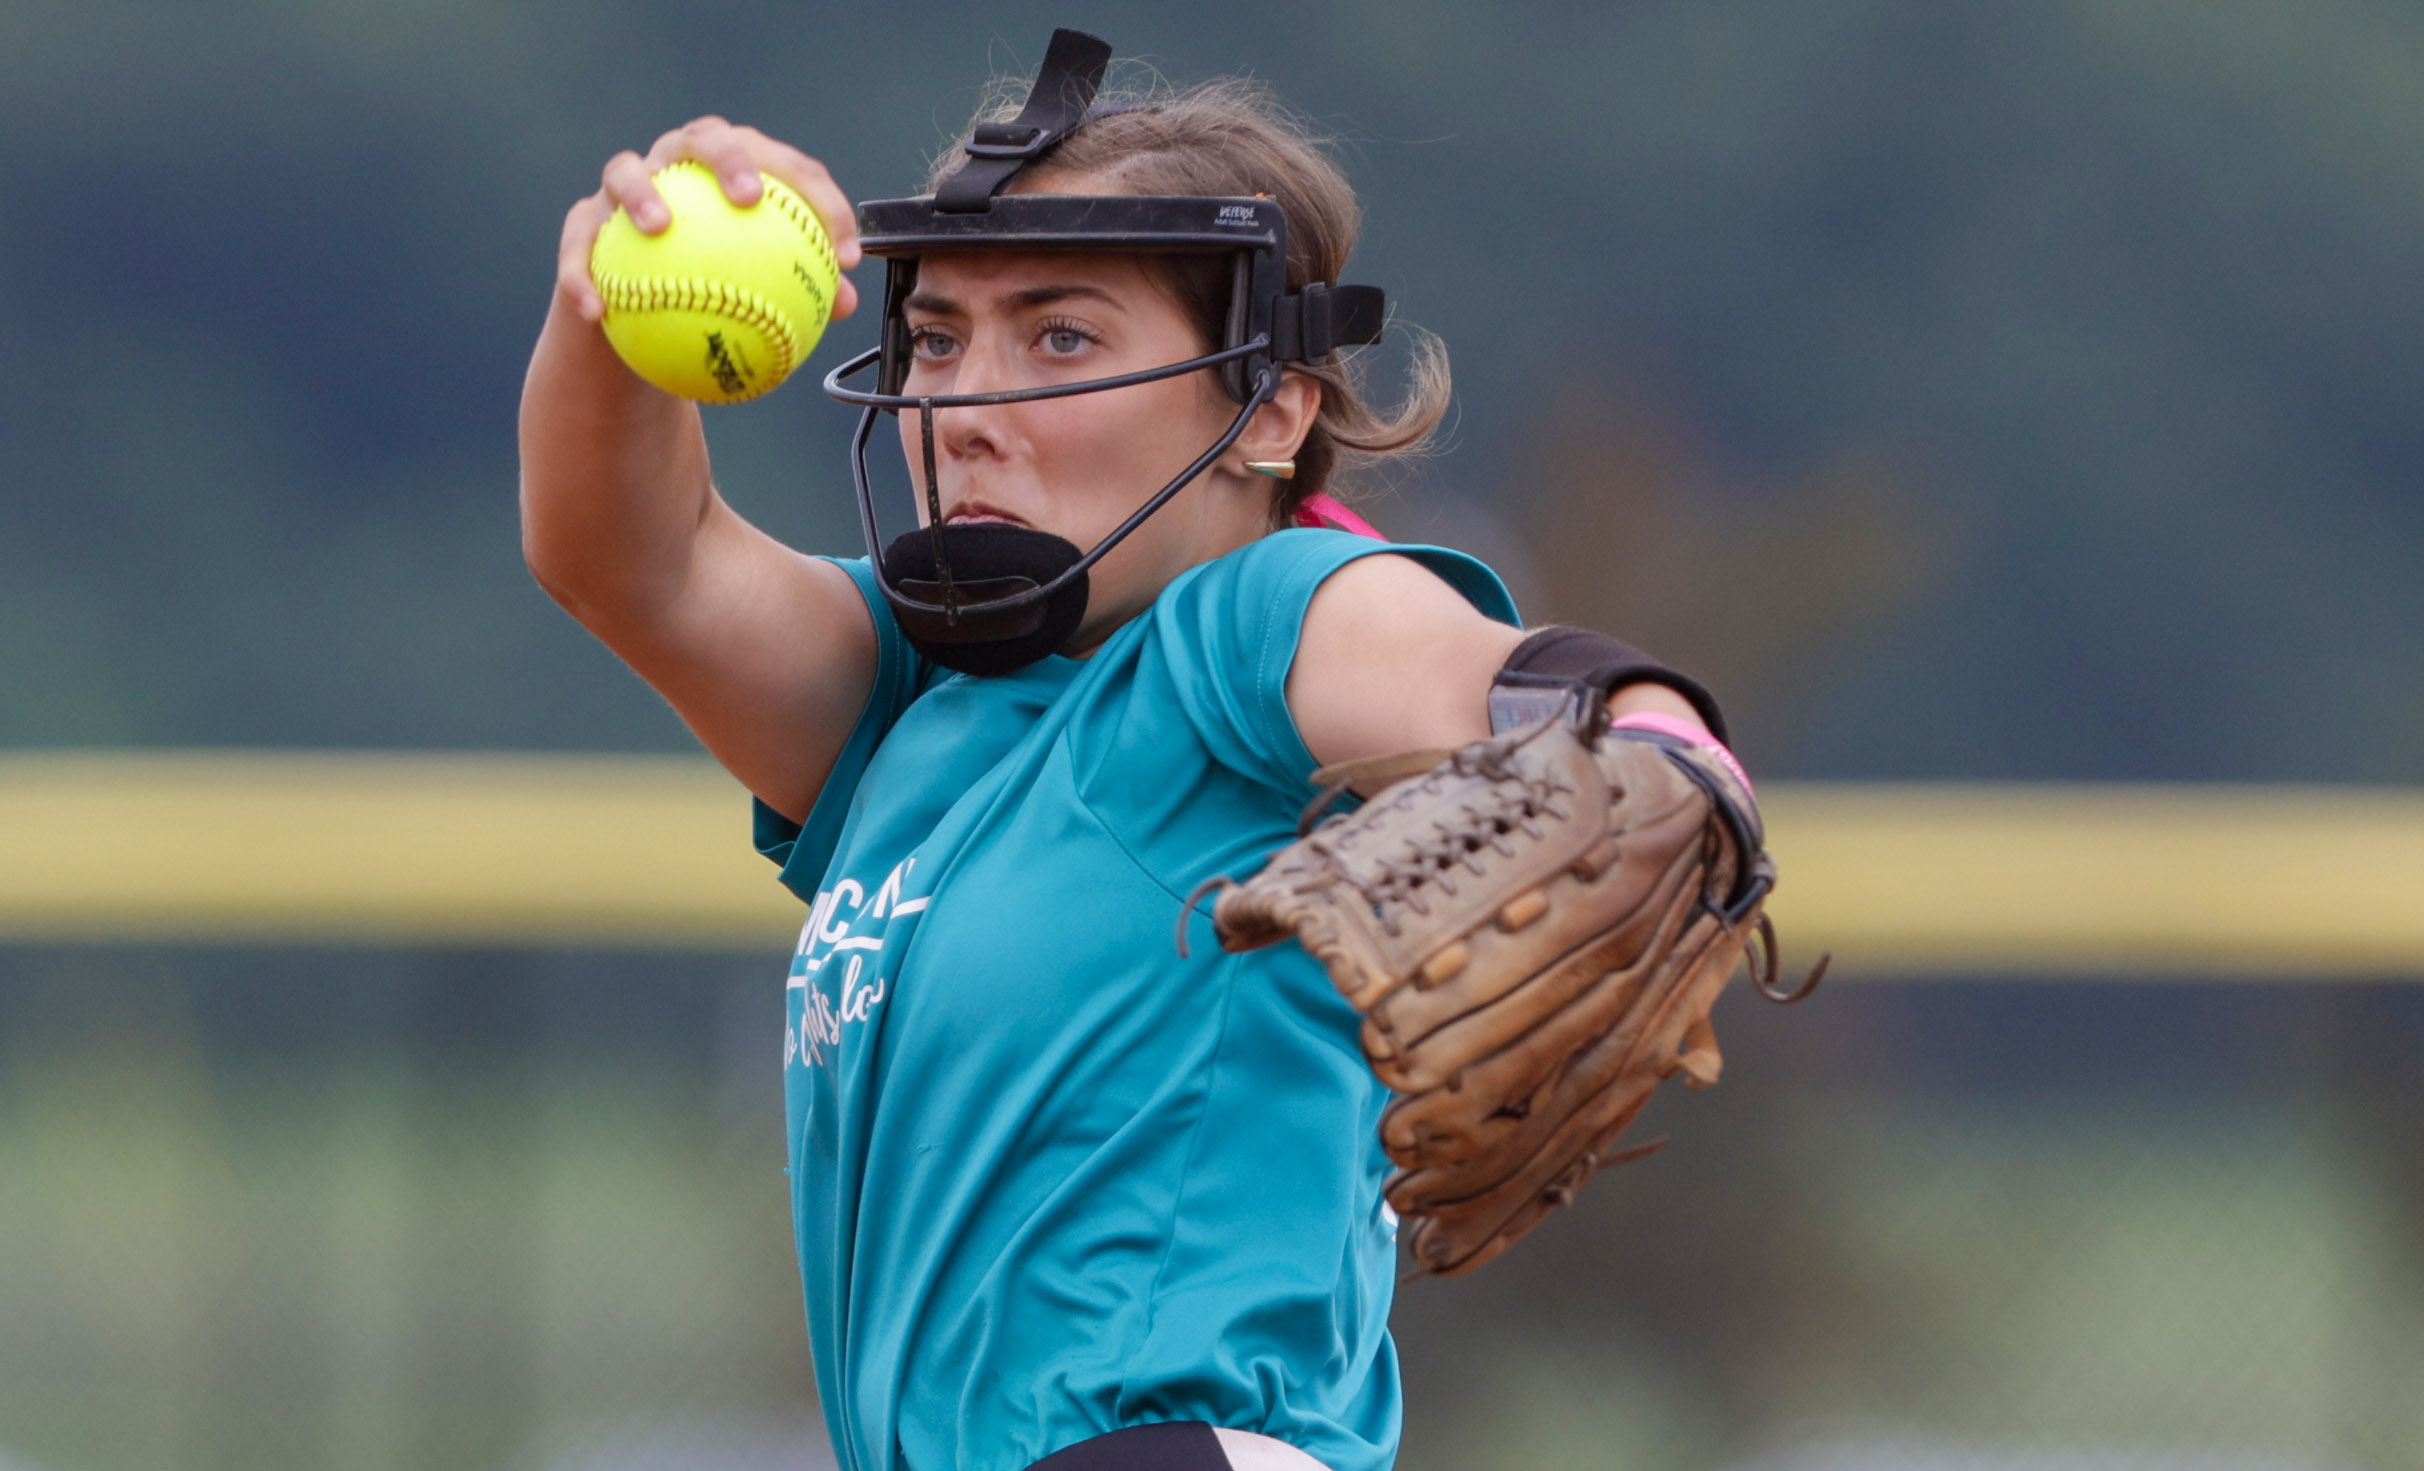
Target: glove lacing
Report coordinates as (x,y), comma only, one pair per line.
(1512,803)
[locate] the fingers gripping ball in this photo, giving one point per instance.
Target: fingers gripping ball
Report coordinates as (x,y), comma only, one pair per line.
(726,301)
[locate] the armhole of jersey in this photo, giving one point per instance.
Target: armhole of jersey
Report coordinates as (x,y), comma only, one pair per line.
(1283,620)
(802,850)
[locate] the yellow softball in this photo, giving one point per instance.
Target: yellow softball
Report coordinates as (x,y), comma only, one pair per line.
(724,302)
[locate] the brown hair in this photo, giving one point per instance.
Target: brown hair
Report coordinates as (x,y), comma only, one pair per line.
(1232,137)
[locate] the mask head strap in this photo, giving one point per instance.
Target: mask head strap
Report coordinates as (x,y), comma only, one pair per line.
(1064,88)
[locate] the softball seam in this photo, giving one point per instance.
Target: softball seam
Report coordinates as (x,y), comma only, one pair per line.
(737,304)
(812,229)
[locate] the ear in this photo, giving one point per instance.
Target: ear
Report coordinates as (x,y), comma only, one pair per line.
(1279,427)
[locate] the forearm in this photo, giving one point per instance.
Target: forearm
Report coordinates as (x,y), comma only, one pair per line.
(1655,699)
(615,484)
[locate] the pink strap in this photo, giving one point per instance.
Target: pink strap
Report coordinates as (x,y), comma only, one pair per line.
(1320,510)
(1684,730)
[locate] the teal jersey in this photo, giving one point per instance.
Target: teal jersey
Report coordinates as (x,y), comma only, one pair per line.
(1048,1178)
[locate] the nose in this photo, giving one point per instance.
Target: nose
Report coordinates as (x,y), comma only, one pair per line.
(961,434)
(970,431)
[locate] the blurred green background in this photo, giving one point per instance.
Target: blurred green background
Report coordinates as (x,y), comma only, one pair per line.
(1969,392)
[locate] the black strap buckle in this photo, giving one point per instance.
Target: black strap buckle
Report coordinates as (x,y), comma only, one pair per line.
(1008,140)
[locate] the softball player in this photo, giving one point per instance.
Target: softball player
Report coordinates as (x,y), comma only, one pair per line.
(1061,1197)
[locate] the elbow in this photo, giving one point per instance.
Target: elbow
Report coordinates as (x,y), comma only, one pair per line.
(546,568)
(593,578)
(555,568)
(556,590)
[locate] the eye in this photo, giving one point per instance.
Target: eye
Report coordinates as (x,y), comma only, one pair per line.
(931,344)
(1064,338)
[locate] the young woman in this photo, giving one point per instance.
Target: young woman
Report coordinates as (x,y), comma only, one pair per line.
(1053,1183)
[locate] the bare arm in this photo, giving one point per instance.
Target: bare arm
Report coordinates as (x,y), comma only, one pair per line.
(767,654)
(1393,659)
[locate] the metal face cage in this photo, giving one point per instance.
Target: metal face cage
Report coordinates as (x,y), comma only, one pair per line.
(1267,325)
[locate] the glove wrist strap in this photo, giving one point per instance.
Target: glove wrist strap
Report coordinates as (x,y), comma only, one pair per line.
(1685,731)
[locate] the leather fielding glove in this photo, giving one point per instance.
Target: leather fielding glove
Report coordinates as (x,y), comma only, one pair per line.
(1534,929)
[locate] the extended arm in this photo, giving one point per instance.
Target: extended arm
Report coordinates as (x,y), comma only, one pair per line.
(1393,659)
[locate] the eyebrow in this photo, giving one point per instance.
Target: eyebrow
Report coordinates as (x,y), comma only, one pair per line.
(1024,299)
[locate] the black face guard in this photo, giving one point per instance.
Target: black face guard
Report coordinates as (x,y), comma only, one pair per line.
(991,598)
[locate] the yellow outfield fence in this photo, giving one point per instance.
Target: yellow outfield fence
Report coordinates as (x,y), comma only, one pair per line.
(525,849)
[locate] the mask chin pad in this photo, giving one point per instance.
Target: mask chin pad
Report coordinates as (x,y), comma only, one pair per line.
(990,561)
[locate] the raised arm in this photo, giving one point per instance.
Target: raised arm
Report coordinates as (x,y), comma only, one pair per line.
(766,654)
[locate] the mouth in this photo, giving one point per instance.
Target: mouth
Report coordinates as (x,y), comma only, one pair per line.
(977,513)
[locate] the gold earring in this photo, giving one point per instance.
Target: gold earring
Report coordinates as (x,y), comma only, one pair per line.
(1276,469)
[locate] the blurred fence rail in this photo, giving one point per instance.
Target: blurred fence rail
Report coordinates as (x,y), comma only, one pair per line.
(652,851)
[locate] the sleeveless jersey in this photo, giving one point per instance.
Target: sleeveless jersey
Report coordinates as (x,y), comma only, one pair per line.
(1048,1178)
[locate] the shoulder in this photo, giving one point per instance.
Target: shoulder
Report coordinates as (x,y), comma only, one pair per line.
(1228,643)
(1320,595)
(1391,596)
(1288,567)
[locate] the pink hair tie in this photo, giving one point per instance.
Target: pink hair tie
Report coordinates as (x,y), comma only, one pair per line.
(1320,511)
(1684,730)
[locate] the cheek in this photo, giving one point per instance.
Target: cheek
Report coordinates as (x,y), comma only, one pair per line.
(1121,446)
